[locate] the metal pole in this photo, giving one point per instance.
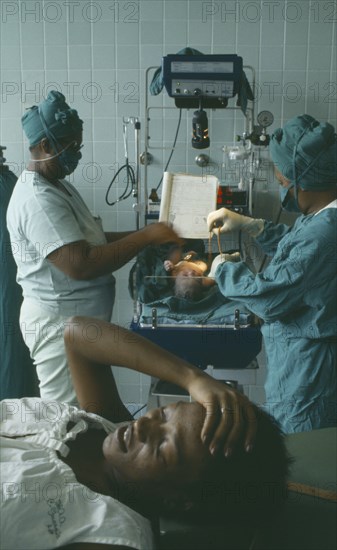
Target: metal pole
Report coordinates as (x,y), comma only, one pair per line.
(136,191)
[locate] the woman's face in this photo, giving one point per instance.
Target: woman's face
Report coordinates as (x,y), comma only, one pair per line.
(164,446)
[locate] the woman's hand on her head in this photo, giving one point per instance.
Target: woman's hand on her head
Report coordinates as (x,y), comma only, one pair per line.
(230,419)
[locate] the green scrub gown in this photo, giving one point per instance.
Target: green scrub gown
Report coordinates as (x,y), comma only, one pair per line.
(295,296)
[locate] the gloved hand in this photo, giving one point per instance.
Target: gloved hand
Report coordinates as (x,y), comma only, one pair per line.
(225,221)
(220,259)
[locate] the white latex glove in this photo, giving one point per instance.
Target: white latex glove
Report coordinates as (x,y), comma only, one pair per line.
(225,221)
(220,259)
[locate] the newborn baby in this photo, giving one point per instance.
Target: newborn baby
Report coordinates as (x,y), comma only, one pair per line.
(189,273)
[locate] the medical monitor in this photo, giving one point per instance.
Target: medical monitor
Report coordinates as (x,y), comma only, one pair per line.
(211,78)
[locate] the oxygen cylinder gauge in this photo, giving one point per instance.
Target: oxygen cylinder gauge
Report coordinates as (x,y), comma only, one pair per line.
(265,119)
(259,135)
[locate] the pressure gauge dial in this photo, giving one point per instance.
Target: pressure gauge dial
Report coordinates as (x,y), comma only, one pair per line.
(265,118)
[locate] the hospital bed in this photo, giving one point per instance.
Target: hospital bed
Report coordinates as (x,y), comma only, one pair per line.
(214,334)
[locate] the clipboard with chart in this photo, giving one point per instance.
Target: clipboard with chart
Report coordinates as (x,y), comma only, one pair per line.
(186,201)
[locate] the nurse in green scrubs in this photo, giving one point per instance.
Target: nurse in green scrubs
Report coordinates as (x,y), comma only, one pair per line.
(295,295)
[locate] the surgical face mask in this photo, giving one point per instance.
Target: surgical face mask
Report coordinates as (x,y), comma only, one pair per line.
(67,159)
(289,203)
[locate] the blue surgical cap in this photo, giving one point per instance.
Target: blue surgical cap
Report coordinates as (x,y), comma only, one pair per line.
(305,152)
(51,118)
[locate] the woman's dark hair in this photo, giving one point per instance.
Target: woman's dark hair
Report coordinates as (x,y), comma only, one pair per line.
(246,484)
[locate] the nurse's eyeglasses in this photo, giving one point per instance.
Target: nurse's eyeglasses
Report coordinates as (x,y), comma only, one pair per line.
(74,146)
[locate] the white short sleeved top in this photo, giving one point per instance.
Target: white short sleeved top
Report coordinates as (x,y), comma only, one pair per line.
(43,505)
(41,219)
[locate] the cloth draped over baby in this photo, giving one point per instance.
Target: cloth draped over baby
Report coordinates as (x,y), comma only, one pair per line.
(151,285)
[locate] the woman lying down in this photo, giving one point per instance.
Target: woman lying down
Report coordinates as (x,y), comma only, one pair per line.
(74,478)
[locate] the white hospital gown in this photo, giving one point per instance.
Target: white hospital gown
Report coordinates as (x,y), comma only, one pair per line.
(42,504)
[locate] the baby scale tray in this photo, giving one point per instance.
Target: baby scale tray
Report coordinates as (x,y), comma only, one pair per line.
(213,331)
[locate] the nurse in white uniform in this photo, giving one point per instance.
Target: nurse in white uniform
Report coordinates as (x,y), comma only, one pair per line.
(65,260)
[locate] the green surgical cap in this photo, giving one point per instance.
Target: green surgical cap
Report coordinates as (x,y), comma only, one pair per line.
(305,152)
(52,118)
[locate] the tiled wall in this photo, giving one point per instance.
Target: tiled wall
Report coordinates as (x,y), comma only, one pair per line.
(97,54)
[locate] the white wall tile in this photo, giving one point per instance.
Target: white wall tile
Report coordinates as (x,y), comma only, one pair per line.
(272,33)
(79,32)
(151,32)
(128,31)
(153,11)
(33,34)
(128,56)
(322,31)
(58,79)
(175,9)
(32,85)
(271,57)
(295,57)
(33,57)
(80,56)
(10,57)
(224,38)
(10,32)
(319,58)
(104,32)
(103,57)
(56,57)
(150,56)
(249,32)
(55,33)
(297,33)
(195,11)
(175,32)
